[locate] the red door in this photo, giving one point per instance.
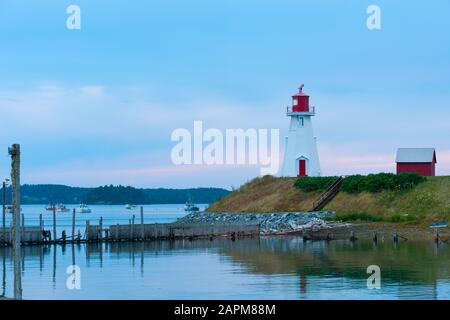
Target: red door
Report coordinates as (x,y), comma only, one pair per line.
(302,168)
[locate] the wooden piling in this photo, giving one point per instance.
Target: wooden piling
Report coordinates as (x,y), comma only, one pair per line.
(436,235)
(100,224)
(14,151)
(87,230)
(54,224)
(352,236)
(142,224)
(375,236)
(41,226)
(4,206)
(22,229)
(130,228)
(73,224)
(395,237)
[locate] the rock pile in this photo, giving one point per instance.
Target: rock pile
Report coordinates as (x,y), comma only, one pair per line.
(269,222)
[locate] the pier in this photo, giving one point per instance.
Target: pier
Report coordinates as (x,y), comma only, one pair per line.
(36,235)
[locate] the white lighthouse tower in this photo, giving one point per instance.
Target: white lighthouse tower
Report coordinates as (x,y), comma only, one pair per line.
(300,154)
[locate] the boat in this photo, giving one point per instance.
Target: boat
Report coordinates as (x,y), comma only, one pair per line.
(82,208)
(442,224)
(190,207)
(9,209)
(62,208)
(130,206)
(59,208)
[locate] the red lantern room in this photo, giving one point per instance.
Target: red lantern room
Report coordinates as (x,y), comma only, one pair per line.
(300,101)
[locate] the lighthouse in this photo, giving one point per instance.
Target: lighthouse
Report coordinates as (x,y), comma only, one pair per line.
(300,155)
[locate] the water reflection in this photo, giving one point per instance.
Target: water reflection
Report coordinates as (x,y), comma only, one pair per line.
(265,268)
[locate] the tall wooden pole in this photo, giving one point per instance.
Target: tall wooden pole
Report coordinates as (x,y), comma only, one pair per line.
(142,224)
(14,151)
(54,223)
(73,224)
(41,226)
(4,205)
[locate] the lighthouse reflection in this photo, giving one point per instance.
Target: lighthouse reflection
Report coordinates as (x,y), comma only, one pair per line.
(273,267)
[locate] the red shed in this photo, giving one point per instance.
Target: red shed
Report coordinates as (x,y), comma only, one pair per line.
(419,160)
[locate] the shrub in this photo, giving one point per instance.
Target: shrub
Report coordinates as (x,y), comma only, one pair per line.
(380,182)
(309,184)
(396,218)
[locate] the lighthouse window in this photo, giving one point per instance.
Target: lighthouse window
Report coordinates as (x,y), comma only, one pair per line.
(295,101)
(301,121)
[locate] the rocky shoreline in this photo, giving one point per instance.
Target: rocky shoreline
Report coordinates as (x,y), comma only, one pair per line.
(270,223)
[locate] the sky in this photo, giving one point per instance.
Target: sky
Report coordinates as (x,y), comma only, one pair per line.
(98,105)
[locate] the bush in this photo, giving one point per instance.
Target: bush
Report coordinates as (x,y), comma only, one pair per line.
(380,182)
(396,218)
(309,184)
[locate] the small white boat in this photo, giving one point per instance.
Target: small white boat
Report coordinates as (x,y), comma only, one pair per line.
(62,208)
(130,206)
(442,224)
(190,207)
(82,208)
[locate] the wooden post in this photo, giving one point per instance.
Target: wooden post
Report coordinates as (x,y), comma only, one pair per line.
(395,237)
(22,229)
(54,223)
(14,151)
(352,236)
(73,224)
(87,231)
(100,224)
(41,222)
(375,236)
(436,235)
(132,228)
(142,224)
(41,226)
(4,206)
(129,229)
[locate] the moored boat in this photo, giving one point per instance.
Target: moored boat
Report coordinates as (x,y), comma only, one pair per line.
(442,224)
(190,207)
(82,208)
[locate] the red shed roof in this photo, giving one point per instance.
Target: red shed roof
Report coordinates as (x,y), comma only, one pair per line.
(416,155)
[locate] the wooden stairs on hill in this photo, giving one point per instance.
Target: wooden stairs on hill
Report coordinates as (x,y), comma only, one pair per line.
(328,195)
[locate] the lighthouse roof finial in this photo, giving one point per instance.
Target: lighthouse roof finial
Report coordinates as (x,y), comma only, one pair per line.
(300,89)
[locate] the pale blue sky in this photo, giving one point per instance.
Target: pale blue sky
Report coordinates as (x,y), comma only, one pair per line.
(98,105)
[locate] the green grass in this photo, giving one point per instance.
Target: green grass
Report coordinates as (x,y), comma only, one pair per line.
(367,217)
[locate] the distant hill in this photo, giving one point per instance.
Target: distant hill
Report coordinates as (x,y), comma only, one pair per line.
(46,194)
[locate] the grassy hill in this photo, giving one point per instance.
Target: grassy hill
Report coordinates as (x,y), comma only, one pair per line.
(428,201)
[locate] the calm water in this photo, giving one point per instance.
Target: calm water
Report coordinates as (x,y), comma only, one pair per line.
(265,268)
(110,215)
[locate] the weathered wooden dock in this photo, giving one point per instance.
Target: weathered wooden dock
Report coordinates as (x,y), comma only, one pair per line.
(35,235)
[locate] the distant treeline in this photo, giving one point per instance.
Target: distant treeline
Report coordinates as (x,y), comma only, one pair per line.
(48,194)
